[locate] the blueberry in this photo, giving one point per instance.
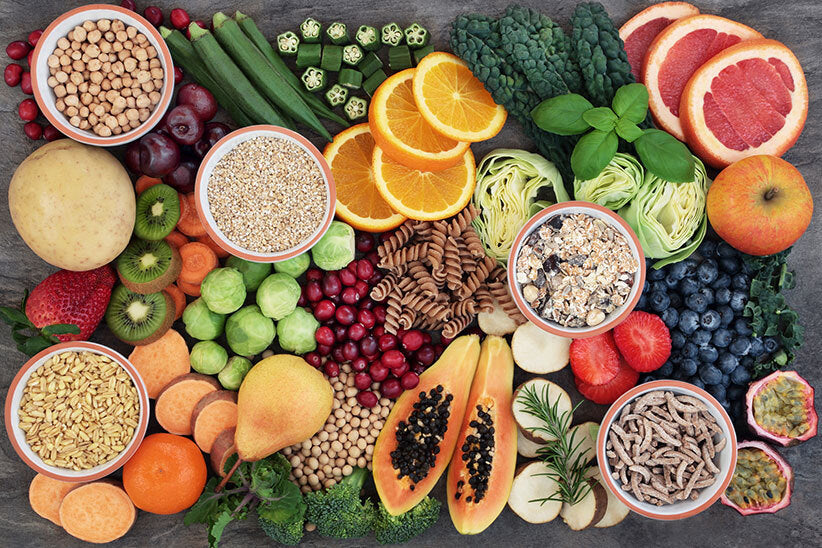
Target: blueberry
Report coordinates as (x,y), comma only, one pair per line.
(655,274)
(677,270)
(697,382)
(646,288)
(670,316)
(726,315)
(659,301)
(688,321)
(676,300)
(690,350)
(757,347)
(650,378)
(677,338)
(736,392)
(688,367)
(726,380)
(659,286)
(697,302)
(741,346)
(740,376)
(731,265)
(708,354)
(671,282)
(701,337)
(708,293)
(688,286)
(722,295)
(723,280)
(707,271)
(722,338)
(724,250)
(666,369)
(676,359)
(710,320)
(727,362)
(691,265)
(738,301)
(725,405)
(707,249)
(741,327)
(741,282)
(747,361)
(738,409)
(717,391)
(771,344)
(710,374)
(642,303)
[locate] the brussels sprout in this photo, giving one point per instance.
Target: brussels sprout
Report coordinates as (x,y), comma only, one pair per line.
(248,332)
(253,273)
(232,375)
(277,296)
(297,331)
(201,323)
(295,266)
(208,357)
(223,290)
(336,248)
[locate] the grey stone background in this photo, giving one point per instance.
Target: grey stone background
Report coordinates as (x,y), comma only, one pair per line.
(796,23)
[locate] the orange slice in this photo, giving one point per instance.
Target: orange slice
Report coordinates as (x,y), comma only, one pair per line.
(425,195)
(451,99)
(358,201)
(401,131)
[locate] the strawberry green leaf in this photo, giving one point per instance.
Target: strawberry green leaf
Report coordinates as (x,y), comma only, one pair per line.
(35,344)
(14,316)
(61,329)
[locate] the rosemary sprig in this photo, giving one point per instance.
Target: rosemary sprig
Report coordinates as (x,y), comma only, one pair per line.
(564,467)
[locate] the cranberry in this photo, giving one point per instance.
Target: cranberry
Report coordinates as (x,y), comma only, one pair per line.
(350,351)
(323,349)
(373,258)
(387,342)
(50,133)
(324,335)
(183,177)
(400,334)
(426,338)
(12,74)
(17,50)
(27,110)
(331,284)
(178,75)
(360,289)
(340,333)
(366,318)
(129,5)
(439,349)
(337,353)
(367,399)
(25,83)
(401,370)
(159,154)
(376,278)
(349,295)
(324,310)
(34,36)
(366,304)
(331,368)
(313,359)
(200,23)
(154,15)
(392,358)
(418,368)
(359,364)
(391,388)
(368,346)
(314,275)
(426,355)
(302,301)
(409,380)
(385,236)
(412,340)
(379,313)
(347,277)
(357,331)
(313,292)
(179,18)
(345,315)
(378,331)
(364,242)
(362,381)
(198,98)
(364,269)
(33,131)
(378,371)
(446,340)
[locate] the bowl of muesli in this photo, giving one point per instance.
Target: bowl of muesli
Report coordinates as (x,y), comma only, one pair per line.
(576,269)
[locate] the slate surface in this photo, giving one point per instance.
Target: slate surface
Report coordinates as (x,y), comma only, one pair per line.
(795,23)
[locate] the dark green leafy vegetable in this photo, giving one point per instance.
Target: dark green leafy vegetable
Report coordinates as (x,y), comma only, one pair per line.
(593,152)
(416,36)
(563,114)
(338,512)
(398,529)
(665,156)
(601,118)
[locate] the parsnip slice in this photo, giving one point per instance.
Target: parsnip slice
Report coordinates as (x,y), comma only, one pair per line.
(496,322)
(585,435)
(538,351)
(527,422)
(587,511)
(526,447)
(616,511)
(530,484)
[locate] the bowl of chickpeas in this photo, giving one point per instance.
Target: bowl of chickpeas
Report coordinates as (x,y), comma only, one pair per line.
(102,75)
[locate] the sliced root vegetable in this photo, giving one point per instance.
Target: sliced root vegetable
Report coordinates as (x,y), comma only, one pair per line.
(161,361)
(97,512)
(46,494)
(179,299)
(587,511)
(176,239)
(527,448)
(219,251)
(222,448)
(530,425)
(530,485)
(496,322)
(192,290)
(175,404)
(537,351)
(198,260)
(616,510)
(214,413)
(584,442)
(189,223)
(145,182)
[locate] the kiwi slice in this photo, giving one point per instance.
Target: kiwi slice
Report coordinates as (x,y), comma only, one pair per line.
(148,266)
(139,319)
(158,210)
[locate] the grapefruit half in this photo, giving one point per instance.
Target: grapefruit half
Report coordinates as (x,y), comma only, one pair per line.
(641,29)
(750,99)
(676,53)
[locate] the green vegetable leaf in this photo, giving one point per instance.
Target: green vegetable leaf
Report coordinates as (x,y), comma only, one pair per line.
(628,130)
(601,118)
(563,114)
(61,329)
(205,505)
(14,316)
(34,345)
(631,103)
(593,152)
(665,156)
(216,528)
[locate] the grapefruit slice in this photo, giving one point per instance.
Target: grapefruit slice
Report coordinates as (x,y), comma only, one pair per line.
(676,53)
(641,29)
(750,99)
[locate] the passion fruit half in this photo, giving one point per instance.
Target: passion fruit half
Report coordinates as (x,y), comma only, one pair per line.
(780,408)
(762,481)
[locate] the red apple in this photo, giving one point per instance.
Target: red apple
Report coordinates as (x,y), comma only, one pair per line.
(760,205)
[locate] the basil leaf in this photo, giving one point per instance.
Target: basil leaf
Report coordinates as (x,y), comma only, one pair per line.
(664,156)
(61,329)
(628,130)
(601,118)
(593,152)
(631,102)
(562,114)
(14,316)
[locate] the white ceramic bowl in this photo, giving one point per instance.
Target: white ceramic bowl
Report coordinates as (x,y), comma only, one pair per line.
(40,71)
(224,146)
(18,437)
(726,461)
(598,212)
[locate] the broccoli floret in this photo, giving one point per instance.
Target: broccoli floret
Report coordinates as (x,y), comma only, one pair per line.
(338,512)
(398,529)
(289,533)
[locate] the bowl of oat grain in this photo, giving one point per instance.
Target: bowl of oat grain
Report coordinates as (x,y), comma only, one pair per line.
(77,411)
(576,269)
(265,193)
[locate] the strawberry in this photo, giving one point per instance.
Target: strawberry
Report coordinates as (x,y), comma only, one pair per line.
(625,379)
(595,360)
(644,341)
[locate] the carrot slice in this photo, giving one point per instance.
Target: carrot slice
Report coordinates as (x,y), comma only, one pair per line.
(177,239)
(161,361)
(192,290)
(97,512)
(189,223)
(198,260)
(177,401)
(219,251)
(222,448)
(213,414)
(46,494)
(145,182)
(179,299)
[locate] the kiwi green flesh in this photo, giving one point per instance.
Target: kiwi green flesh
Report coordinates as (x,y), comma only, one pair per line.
(757,481)
(148,267)
(158,210)
(139,319)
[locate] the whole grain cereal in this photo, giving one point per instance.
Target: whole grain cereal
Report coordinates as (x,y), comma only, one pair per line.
(267,194)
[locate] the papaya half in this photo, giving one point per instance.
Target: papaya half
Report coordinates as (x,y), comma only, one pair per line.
(419,435)
(482,468)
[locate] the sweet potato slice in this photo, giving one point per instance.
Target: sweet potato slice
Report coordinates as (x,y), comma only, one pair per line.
(213,413)
(161,361)
(177,401)
(97,512)
(222,448)
(46,494)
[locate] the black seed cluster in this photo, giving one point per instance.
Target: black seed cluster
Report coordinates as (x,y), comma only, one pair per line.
(478,454)
(418,439)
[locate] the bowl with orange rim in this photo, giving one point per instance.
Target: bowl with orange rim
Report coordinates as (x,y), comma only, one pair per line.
(45,94)
(291,200)
(75,388)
